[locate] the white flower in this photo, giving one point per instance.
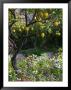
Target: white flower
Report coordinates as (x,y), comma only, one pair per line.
(35,72)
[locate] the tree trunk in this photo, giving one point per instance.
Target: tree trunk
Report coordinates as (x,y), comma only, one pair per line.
(14,63)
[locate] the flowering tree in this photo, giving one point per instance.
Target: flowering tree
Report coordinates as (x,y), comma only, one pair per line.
(36,28)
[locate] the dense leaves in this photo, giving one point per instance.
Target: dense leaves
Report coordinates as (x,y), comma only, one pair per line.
(41,30)
(36,24)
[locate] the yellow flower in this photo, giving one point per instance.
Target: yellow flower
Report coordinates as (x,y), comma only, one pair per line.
(42,35)
(14,30)
(27,29)
(20,30)
(46,15)
(56,23)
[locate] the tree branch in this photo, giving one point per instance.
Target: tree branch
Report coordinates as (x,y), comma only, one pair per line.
(26,17)
(33,16)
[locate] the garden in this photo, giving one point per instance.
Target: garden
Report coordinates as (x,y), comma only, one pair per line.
(35,44)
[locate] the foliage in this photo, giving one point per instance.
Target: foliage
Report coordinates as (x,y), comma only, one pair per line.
(39,68)
(41,25)
(40,29)
(12,75)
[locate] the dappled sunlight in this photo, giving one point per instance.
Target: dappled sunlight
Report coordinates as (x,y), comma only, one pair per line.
(35,44)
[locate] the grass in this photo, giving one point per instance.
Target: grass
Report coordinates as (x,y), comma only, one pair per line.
(37,66)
